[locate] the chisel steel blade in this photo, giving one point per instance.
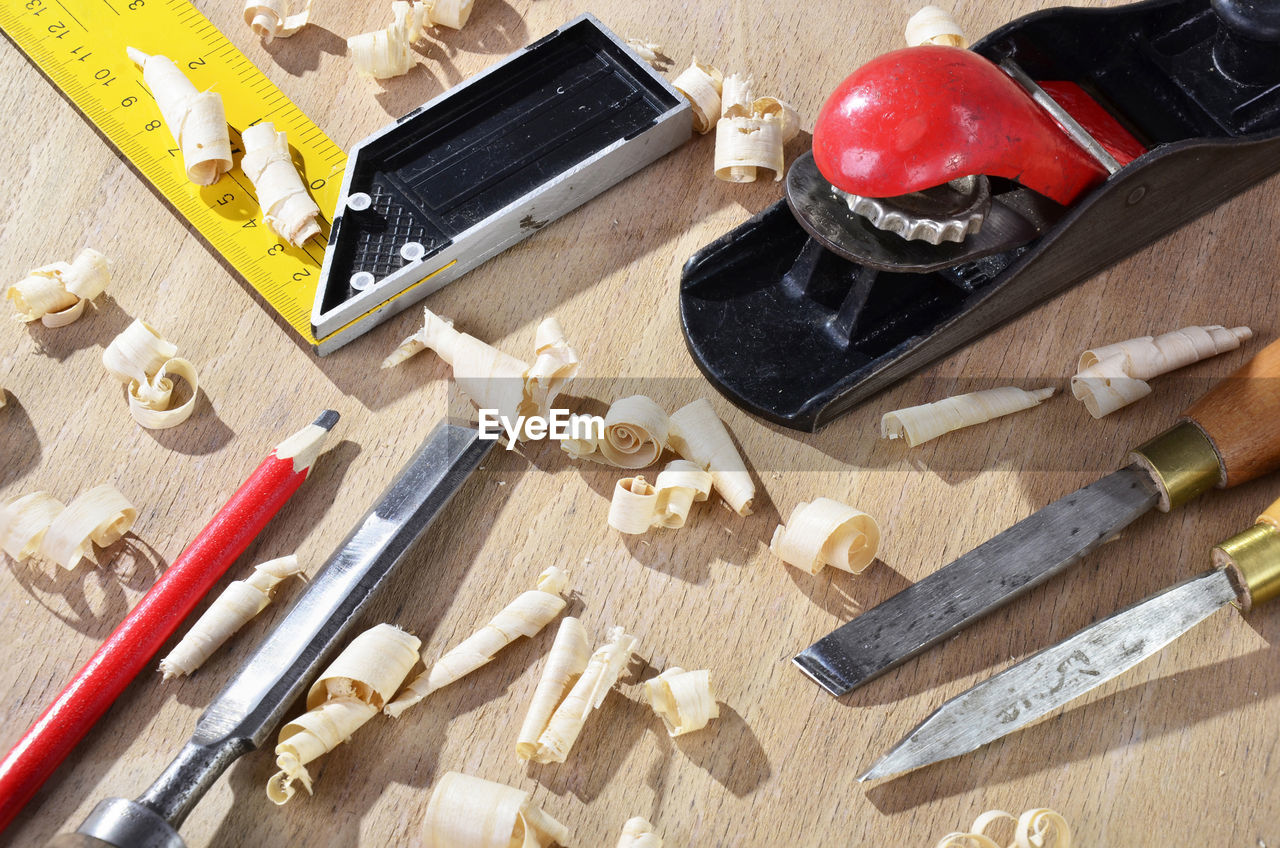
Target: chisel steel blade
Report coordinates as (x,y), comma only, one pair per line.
(253,703)
(986,578)
(1051,678)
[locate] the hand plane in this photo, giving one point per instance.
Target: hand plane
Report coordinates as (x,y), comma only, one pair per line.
(949,190)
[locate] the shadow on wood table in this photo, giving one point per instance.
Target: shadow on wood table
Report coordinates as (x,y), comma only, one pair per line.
(22,451)
(301,52)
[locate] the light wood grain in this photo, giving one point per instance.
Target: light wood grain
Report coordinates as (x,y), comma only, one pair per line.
(1181,751)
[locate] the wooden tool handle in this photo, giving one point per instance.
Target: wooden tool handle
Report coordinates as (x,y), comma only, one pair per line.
(1241,416)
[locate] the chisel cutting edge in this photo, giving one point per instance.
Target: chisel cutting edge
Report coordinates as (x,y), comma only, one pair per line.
(1247,572)
(1228,437)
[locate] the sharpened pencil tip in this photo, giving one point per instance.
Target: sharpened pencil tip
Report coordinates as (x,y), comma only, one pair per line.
(327,419)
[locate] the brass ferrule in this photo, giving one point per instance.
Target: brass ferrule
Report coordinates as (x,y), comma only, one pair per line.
(1252,559)
(1183,462)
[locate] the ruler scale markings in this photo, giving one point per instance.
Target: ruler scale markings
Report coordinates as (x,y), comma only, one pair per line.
(244,188)
(73,17)
(284,276)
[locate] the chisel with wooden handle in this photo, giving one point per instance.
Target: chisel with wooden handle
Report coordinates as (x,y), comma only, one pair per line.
(1247,573)
(1228,437)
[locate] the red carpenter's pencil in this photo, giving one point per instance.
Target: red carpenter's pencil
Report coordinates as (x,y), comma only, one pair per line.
(131,646)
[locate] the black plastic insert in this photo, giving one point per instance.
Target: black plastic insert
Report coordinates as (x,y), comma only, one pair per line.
(447,167)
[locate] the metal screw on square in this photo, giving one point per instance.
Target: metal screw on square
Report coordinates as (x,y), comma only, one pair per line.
(359,202)
(361,280)
(412,251)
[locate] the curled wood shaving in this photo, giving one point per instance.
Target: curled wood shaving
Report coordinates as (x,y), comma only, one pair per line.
(146,362)
(634,435)
(742,144)
(682,699)
(638,833)
(350,692)
(70,315)
(585,446)
(372,668)
(41,293)
(568,659)
(746,144)
(195,119)
(233,609)
(24,521)
(56,294)
(702,84)
(287,208)
(649,51)
(932,25)
(555,364)
(451,13)
(633,506)
(137,353)
(1039,828)
(386,53)
(270,19)
(1115,375)
(678,485)
(635,432)
(919,424)
(636,506)
(311,735)
(149,402)
(525,616)
(736,97)
(698,435)
(783,112)
(827,532)
(491,378)
(588,692)
(751,132)
(101,515)
(469,812)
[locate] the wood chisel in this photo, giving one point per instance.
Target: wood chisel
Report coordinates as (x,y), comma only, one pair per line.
(243,715)
(1229,436)
(1247,573)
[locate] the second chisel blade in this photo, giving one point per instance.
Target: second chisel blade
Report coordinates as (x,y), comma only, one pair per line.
(1047,680)
(986,578)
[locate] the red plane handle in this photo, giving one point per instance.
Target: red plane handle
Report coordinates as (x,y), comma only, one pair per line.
(921,117)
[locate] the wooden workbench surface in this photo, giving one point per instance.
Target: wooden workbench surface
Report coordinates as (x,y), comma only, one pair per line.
(1180,751)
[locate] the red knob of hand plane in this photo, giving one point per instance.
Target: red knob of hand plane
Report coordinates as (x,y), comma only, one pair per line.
(923,116)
